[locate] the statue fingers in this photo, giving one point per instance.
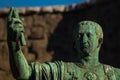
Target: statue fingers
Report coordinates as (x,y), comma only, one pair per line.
(9,16)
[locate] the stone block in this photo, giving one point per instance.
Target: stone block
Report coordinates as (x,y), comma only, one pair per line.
(2,29)
(28,21)
(37,33)
(59,8)
(38,44)
(46,9)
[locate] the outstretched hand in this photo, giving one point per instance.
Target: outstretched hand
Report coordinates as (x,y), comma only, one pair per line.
(15,28)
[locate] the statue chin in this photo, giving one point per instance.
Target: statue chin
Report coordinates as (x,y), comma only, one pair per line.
(83,53)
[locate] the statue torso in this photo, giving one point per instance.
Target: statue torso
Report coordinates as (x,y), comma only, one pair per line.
(75,71)
(72,71)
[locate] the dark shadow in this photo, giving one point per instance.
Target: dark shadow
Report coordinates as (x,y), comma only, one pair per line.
(61,40)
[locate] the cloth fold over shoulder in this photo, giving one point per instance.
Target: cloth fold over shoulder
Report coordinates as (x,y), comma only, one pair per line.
(47,71)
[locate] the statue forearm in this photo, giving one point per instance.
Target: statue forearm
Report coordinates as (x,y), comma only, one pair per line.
(18,63)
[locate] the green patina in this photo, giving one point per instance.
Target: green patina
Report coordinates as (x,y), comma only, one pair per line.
(87,39)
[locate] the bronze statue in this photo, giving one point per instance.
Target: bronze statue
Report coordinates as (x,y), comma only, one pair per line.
(88,37)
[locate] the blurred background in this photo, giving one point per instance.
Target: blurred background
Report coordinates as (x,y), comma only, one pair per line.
(49,25)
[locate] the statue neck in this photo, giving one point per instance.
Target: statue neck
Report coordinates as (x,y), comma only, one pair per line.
(90,61)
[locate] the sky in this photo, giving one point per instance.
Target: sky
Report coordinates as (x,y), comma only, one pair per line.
(34,3)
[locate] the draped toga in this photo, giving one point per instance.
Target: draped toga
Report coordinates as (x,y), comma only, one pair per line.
(68,71)
(47,71)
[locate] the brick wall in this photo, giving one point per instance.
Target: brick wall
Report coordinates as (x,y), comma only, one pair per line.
(48,32)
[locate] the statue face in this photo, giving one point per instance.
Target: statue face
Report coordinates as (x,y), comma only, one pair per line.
(86,41)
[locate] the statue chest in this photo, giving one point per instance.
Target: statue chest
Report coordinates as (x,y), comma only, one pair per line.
(74,72)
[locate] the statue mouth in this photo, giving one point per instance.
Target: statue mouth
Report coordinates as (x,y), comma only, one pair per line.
(84,48)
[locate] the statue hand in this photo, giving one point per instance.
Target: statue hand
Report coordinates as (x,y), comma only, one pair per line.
(14,29)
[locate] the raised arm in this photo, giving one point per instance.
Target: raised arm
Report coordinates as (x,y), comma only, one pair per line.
(15,29)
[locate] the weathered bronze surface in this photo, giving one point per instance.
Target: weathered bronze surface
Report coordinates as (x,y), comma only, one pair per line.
(87,39)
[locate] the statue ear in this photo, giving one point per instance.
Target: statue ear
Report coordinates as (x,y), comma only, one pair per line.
(100,42)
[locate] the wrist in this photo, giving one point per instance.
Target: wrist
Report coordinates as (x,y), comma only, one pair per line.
(11,40)
(13,45)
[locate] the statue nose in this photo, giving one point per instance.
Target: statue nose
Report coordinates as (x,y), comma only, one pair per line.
(85,38)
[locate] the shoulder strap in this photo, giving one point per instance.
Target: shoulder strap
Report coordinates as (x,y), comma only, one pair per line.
(109,71)
(71,69)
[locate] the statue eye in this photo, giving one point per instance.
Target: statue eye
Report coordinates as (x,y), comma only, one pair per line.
(80,35)
(89,34)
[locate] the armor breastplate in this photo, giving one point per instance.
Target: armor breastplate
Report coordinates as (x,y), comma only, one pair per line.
(72,70)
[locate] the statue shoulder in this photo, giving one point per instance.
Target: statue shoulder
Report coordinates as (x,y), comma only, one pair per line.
(112,72)
(117,73)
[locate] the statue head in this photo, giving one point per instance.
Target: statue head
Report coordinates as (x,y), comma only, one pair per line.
(87,37)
